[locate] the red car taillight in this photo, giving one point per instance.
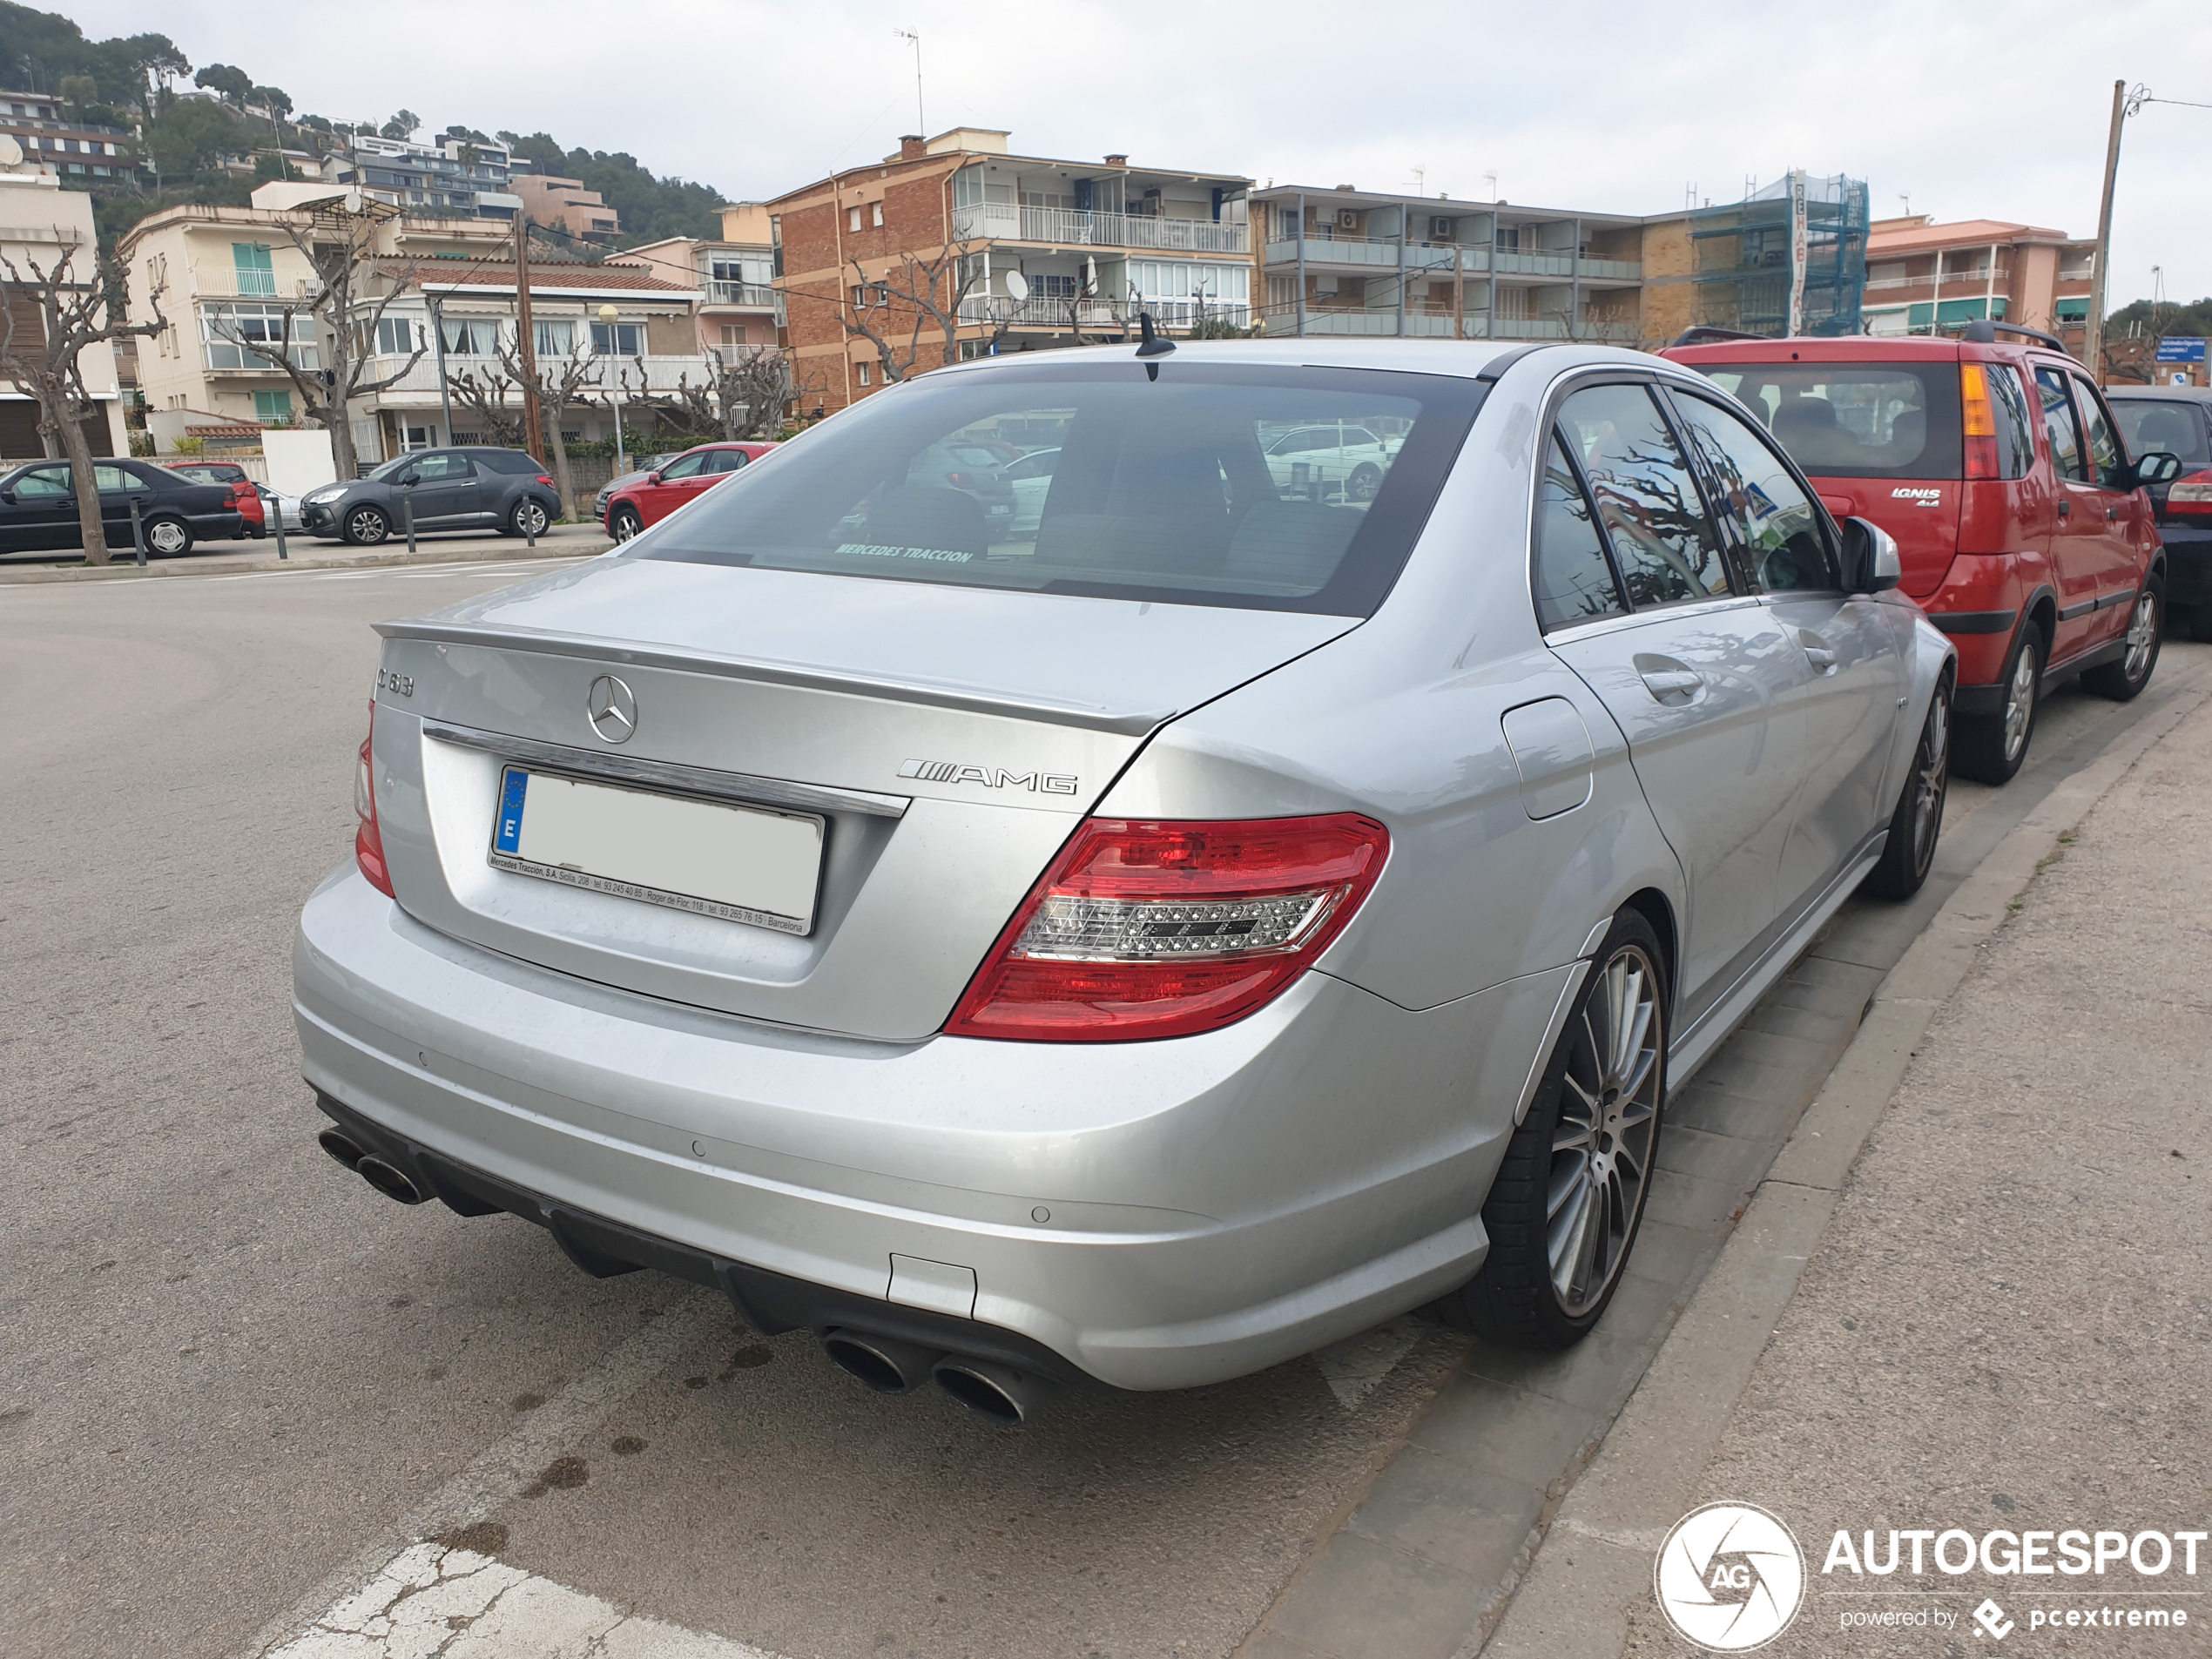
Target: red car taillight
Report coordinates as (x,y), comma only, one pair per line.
(548,483)
(369,841)
(1165,929)
(1981,422)
(2190,493)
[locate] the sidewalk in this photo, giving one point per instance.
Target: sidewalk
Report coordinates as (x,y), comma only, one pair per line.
(307,553)
(2006,1323)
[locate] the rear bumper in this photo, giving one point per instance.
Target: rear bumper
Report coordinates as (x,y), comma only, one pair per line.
(1157,1215)
(2188,564)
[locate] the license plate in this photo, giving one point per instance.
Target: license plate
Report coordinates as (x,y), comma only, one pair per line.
(740,863)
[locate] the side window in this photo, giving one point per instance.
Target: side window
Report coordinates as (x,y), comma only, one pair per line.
(1573,581)
(729,460)
(1665,546)
(2058,424)
(2108,462)
(685,466)
(1785,548)
(2015,431)
(119,479)
(43,483)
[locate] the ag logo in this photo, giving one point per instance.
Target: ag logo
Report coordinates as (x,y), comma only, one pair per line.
(1730,1577)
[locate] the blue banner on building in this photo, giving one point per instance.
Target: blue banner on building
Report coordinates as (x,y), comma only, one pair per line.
(2176,349)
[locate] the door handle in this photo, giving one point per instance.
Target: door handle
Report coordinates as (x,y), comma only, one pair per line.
(2066,508)
(2112,515)
(1664,683)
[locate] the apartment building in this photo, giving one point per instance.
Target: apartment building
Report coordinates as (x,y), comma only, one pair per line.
(1922,276)
(1036,252)
(565,205)
(736,275)
(39,222)
(451,178)
(57,142)
(234,276)
(1350,262)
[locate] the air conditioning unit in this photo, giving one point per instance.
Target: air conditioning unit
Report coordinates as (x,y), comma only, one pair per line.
(1347,219)
(1439,227)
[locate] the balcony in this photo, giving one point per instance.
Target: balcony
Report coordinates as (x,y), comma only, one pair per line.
(1440,256)
(1066,227)
(993,309)
(420,383)
(756,296)
(1383,322)
(227,282)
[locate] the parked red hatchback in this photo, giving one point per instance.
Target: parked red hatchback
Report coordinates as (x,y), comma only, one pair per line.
(2019,516)
(631,504)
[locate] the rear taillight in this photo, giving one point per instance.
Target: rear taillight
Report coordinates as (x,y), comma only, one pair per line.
(1166,929)
(1980,423)
(548,483)
(369,841)
(2190,493)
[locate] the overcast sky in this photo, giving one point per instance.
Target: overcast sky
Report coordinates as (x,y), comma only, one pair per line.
(1975,111)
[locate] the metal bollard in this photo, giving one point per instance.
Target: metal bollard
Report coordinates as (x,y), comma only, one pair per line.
(407,517)
(277,507)
(530,522)
(138,533)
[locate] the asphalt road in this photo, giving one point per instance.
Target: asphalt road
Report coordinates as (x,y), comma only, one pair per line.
(231,1368)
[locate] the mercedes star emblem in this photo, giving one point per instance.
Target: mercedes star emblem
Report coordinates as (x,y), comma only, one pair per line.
(612,708)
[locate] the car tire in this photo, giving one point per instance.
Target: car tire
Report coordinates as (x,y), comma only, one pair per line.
(623,523)
(167,537)
(364,526)
(1990,748)
(1917,824)
(2123,681)
(1365,483)
(520,515)
(1570,1195)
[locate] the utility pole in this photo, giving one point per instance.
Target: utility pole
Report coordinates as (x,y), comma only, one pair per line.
(526,340)
(2093,339)
(445,388)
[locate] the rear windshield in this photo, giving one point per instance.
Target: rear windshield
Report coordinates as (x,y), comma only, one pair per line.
(2167,423)
(1269,488)
(1855,420)
(505,460)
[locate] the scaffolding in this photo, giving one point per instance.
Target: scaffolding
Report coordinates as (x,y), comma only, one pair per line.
(1787,259)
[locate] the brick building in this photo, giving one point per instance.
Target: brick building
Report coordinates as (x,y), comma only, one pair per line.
(1021,252)
(1921,276)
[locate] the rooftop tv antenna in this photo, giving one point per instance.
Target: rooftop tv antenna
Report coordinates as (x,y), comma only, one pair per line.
(921,124)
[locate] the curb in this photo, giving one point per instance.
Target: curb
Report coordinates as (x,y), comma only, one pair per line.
(468,553)
(1640,1482)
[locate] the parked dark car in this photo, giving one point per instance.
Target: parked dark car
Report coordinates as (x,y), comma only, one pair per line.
(470,489)
(2177,419)
(38,507)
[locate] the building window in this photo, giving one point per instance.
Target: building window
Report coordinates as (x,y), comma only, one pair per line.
(877,209)
(733,333)
(553,339)
(394,337)
(853,219)
(864,373)
(231,332)
(471,337)
(272,408)
(623,339)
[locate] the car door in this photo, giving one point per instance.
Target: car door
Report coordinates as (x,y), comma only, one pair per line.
(1700,676)
(443,488)
(1848,702)
(40,509)
(118,485)
(2118,512)
(680,480)
(2078,561)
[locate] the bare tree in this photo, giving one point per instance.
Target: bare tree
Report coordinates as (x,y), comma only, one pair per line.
(340,248)
(929,290)
(73,314)
(751,391)
(483,391)
(562,385)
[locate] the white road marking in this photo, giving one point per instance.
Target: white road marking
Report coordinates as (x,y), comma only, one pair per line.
(457,1604)
(1354,1367)
(501,1470)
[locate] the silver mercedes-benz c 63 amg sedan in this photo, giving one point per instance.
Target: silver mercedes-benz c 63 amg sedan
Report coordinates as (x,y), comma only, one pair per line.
(1153,937)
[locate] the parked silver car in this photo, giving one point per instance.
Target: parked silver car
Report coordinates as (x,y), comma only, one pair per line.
(1156,950)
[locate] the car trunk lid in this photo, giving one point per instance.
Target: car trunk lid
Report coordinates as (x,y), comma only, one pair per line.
(948,739)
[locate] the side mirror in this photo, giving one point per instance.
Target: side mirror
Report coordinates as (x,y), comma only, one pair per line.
(652,478)
(1870,563)
(2156,467)
(8,496)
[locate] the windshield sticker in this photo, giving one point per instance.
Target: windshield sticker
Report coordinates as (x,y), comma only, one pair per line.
(874,551)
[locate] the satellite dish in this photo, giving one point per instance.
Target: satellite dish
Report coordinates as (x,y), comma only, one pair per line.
(10,152)
(354,200)
(1017,286)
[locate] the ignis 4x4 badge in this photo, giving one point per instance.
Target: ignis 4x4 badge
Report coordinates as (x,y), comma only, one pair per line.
(1918,497)
(1730,1577)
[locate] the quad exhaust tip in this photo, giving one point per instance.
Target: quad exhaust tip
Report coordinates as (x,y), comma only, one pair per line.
(886,1365)
(339,1146)
(890,1366)
(1000,1392)
(389,1179)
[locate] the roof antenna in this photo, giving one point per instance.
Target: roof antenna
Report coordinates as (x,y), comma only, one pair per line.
(1154,344)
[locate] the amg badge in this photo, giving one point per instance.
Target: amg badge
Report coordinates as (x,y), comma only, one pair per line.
(951,772)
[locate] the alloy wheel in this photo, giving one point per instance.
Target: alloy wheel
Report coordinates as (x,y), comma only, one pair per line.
(626,525)
(2019,700)
(367,526)
(1931,780)
(1609,1119)
(2142,634)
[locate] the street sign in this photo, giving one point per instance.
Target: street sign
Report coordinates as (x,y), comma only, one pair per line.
(2176,348)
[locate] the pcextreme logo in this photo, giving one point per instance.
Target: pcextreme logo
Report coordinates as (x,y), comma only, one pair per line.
(1730,1577)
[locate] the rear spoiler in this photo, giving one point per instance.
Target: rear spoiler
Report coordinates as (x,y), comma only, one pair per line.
(1700,335)
(1982,331)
